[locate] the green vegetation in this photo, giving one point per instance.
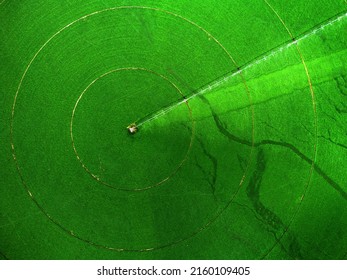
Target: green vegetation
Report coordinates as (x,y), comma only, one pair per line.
(252,168)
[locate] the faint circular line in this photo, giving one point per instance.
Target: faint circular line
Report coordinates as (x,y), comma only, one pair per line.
(315,129)
(95,177)
(71,232)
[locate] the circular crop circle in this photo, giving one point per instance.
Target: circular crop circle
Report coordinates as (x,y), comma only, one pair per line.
(133,129)
(112,108)
(70,199)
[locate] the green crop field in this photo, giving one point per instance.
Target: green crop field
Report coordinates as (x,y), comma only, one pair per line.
(241,116)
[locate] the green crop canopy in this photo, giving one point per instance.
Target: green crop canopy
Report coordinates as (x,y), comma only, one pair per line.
(173,129)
